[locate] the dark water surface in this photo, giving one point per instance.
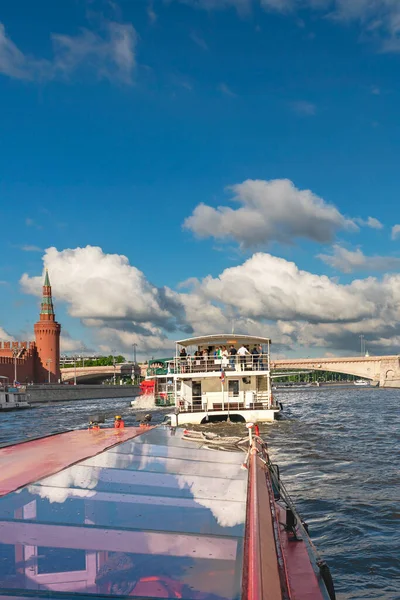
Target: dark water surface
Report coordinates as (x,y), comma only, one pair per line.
(339,456)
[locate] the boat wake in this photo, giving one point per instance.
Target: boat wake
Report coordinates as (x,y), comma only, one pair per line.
(147,401)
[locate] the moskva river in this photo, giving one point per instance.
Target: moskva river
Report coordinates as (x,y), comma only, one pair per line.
(338,450)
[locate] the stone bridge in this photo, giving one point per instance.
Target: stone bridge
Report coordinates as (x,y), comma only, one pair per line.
(95,374)
(382,370)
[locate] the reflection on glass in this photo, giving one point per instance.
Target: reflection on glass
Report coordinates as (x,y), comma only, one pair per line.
(135,521)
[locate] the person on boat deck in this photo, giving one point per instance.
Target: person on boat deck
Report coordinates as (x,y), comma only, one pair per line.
(225,356)
(183,355)
(217,352)
(118,423)
(261,358)
(232,354)
(242,352)
(256,358)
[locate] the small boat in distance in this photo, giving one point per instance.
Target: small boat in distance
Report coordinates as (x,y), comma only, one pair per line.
(216,378)
(12,397)
(362,382)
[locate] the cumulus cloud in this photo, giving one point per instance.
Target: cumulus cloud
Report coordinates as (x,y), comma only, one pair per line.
(349,261)
(110,54)
(107,293)
(309,309)
(68,344)
(264,295)
(270,210)
(269,287)
(395,232)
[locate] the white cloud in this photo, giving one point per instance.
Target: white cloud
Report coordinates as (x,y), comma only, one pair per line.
(302,107)
(101,286)
(5,336)
(265,295)
(225,89)
(272,288)
(151,13)
(349,261)
(242,6)
(110,295)
(308,309)
(395,232)
(68,344)
(197,39)
(109,54)
(30,248)
(15,64)
(370,222)
(270,210)
(379,19)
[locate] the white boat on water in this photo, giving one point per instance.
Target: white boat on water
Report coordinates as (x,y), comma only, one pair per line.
(214,378)
(12,397)
(362,382)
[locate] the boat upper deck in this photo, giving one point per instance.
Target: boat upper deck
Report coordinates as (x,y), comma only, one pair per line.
(153,516)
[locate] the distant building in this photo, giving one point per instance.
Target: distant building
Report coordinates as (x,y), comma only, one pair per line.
(37,361)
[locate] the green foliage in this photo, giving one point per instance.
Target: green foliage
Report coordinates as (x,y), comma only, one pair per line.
(101,361)
(321,376)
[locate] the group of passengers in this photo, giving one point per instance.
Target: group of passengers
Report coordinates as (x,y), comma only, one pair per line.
(220,355)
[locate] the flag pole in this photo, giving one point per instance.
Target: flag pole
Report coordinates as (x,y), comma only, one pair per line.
(223,389)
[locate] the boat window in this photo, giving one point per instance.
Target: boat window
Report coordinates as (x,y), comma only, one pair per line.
(233,387)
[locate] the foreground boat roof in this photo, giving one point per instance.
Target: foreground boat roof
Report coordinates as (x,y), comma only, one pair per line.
(223,338)
(151,517)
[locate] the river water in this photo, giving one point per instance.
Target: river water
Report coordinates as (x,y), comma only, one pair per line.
(338,450)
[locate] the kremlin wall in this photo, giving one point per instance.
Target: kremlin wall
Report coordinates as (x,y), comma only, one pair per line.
(36,361)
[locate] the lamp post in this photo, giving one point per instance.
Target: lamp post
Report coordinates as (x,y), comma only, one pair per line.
(362,345)
(74,370)
(134,346)
(15,366)
(115,381)
(48,362)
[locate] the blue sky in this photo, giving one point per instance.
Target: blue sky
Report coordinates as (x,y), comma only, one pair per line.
(120,119)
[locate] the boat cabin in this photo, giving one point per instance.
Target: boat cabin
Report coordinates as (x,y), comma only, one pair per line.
(220,376)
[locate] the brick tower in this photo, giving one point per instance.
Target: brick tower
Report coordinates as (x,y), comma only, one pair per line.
(47,335)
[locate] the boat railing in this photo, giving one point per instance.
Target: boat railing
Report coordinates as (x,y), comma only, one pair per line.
(199,404)
(209,364)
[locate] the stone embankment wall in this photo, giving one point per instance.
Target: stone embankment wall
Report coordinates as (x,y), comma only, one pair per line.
(64,393)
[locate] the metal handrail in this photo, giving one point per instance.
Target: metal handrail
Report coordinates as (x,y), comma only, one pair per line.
(206,364)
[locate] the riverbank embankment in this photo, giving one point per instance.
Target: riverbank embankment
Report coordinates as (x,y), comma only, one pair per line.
(43,394)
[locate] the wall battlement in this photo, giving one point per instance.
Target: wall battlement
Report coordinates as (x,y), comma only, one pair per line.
(17,345)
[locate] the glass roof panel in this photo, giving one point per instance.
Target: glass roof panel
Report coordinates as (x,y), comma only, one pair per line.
(155,517)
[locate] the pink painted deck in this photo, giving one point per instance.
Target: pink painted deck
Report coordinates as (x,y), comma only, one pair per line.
(27,462)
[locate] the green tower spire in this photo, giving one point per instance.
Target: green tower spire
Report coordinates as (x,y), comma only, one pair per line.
(46,279)
(46,307)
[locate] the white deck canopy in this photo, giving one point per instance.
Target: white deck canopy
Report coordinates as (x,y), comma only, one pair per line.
(224,339)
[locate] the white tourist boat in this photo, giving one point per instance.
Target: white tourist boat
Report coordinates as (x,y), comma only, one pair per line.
(362,382)
(209,386)
(12,398)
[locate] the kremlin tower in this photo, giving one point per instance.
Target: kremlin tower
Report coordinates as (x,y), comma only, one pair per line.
(47,336)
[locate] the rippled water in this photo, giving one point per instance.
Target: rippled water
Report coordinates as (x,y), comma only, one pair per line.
(339,456)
